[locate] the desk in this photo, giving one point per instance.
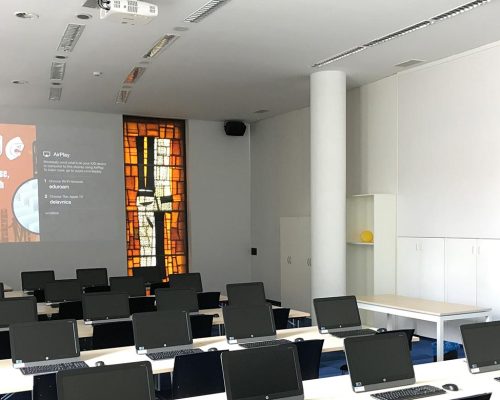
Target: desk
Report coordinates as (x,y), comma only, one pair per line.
(7,288)
(426,310)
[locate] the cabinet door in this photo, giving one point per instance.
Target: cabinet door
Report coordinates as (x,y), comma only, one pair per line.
(431,276)
(460,271)
(488,275)
(408,262)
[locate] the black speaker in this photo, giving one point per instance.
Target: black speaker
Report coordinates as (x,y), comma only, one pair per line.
(235,128)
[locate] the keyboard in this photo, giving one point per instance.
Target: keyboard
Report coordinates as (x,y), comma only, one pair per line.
(165,355)
(47,369)
(356,332)
(416,392)
(264,343)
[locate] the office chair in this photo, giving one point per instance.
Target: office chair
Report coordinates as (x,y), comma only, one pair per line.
(113,334)
(96,289)
(160,285)
(201,325)
(70,310)
(5,346)
(208,300)
(44,387)
(281,317)
(141,304)
(39,295)
(2,295)
(197,375)
(309,352)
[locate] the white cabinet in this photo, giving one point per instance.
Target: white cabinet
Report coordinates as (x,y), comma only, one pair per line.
(461,258)
(295,253)
(408,267)
(488,275)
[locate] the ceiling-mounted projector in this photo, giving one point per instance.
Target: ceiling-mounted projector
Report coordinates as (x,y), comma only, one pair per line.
(129,12)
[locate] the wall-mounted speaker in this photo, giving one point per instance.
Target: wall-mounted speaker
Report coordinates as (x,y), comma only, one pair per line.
(235,128)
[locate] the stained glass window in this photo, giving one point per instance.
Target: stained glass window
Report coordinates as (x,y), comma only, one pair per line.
(155,185)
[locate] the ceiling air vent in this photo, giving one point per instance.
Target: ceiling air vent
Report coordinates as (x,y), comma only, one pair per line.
(90,4)
(205,10)
(122,96)
(57,71)
(160,45)
(70,37)
(55,93)
(409,63)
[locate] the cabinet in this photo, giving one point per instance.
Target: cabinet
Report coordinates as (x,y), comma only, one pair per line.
(461,260)
(488,275)
(295,254)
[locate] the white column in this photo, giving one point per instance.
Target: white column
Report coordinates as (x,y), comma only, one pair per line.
(328,183)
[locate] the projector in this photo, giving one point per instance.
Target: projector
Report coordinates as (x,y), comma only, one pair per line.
(130,12)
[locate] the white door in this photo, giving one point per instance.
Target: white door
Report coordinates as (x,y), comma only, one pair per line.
(460,258)
(488,275)
(431,277)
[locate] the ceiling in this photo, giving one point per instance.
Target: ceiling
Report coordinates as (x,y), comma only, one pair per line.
(246,56)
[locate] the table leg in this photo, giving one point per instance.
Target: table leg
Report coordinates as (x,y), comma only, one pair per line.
(488,318)
(391,322)
(440,340)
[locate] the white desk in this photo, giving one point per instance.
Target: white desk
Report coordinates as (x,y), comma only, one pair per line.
(420,309)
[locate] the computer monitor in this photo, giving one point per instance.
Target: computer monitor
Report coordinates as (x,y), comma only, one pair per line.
(36,280)
(482,346)
(161,330)
(483,396)
(63,290)
(177,299)
(251,323)
(90,277)
(2,294)
(133,285)
(149,274)
(265,373)
(132,381)
(17,309)
(379,361)
(240,294)
(105,307)
(190,280)
(337,314)
(42,343)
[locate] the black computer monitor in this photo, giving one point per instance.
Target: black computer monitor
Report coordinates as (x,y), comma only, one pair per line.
(62,290)
(36,280)
(337,313)
(2,294)
(149,274)
(33,342)
(482,396)
(90,277)
(160,329)
(482,346)
(186,281)
(133,285)
(104,306)
(17,309)
(249,323)
(240,294)
(176,299)
(133,381)
(264,373)
(379,361)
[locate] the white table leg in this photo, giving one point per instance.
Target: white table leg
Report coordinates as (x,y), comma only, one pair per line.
(391,322)
(488,318)
(440,340)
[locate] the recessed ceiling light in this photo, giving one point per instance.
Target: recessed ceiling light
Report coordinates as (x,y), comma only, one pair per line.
(122,96)
(97,74)
(19,82)
(57,70)
(26,15)
(61,57)
(160,45)
(181,28)
(55,93)
(70,37)
(134,75)
(84,16)
(263,111)
(55,83)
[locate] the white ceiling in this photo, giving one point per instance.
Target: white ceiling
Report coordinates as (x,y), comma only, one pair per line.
(248,55)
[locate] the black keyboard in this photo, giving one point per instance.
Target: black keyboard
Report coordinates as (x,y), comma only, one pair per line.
(47,369)
(416,392)
(165,355)
(356,332)
(264,343)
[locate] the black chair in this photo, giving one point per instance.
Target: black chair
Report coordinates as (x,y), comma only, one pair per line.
(160,285)
(309,352)
(5,345)
(281,317)
(113,334)
(208,300)
(141,304)
(44,387)
(39,295)
(201,325)
(70,310)
(197,375)
(97,289)
(2,295)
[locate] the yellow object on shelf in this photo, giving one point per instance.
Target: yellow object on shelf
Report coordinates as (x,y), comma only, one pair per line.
(366,237)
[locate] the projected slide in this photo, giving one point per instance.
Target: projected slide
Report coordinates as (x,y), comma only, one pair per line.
(19,216)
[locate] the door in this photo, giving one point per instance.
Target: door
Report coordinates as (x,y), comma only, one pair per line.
(460,258)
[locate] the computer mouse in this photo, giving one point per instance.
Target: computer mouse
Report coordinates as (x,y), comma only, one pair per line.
(450,386)
(299,339)
(381,330)
(99,363)
(213,349)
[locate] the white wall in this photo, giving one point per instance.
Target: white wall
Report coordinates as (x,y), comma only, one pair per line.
(218,181)
(280,163)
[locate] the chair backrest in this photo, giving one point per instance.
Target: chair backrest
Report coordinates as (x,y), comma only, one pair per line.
(5,345)
(201,325)
(197,375)
(160,285)
(70,310)
(97,289)
(39,295)
(281,317)
(1,291)
(113,334)
(141,304)
(309,352)
(208,300)
(44,387)
(409,334)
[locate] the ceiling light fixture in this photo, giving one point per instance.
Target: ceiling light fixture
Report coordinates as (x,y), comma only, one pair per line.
(19,82)
(160,45)
(424,24)
(134,75)
(26,15)
(204,10)
(122,97)
(84,16)
(55,93)
(70,37)
(57,70)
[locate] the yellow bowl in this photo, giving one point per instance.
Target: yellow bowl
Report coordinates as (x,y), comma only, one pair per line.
(366,237)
